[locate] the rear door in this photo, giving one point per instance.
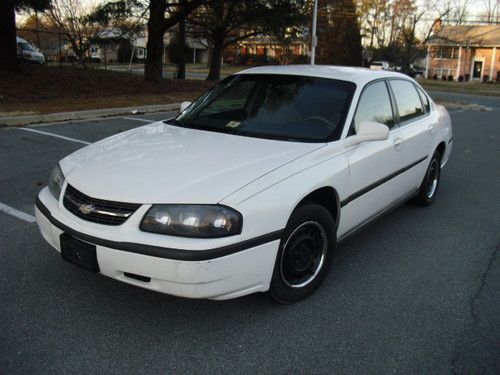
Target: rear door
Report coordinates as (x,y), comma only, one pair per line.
(417,126)
(373,166)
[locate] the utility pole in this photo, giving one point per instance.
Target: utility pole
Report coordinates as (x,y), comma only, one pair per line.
(314,38)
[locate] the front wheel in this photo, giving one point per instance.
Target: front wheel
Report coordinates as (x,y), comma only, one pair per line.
(304,254)
(429,186)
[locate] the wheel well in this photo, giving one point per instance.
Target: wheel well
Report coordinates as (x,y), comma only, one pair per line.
(326,197)
(441,148)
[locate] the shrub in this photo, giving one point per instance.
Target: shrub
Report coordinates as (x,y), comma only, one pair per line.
(467,77)
(124,51)
(450,77)
(435,77)
(460,78)
(443,78)
(485,78)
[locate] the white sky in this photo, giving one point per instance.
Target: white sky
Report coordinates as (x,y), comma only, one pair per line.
(476,8)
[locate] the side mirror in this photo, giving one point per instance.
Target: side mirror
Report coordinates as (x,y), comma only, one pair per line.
(184,105)
(368,131)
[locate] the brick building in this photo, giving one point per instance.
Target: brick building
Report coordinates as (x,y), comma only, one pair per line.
(467,51)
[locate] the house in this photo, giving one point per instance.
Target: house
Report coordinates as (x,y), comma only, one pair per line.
(470,52)
(105,44)
(269,49)
(196,48)
(115,45)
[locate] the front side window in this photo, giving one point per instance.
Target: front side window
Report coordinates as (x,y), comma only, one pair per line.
(284,107)
(375,105)
(26,47)
(407,99)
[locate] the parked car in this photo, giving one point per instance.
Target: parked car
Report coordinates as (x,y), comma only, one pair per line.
(416,71)
(250,187)
(380,65)
(26,52)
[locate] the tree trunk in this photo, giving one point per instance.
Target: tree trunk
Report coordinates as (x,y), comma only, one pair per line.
(153,70)
(8,44)
(78,50)
(216,57)
(181,66)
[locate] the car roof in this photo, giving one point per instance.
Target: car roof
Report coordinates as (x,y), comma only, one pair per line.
(360,76)
(20,40)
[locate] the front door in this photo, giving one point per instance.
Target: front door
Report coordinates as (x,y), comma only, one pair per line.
(477,69)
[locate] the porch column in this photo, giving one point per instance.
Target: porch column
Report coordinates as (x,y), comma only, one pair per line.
(459,62)
(493,61)
(427,62)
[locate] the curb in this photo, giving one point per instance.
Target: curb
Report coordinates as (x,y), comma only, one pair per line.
(82,115)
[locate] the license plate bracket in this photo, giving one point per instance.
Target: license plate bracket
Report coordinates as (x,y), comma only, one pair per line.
(79,252)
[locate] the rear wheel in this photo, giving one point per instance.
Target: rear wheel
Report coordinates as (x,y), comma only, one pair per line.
(304,255)
(429,186)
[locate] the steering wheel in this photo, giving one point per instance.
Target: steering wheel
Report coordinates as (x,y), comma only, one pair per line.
(321,119)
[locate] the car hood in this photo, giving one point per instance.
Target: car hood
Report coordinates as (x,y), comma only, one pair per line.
(161,163)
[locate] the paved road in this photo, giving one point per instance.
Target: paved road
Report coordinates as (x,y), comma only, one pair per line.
(490,102)
(416,292)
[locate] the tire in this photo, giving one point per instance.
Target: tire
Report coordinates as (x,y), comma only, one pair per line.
(429,186)
(304,255)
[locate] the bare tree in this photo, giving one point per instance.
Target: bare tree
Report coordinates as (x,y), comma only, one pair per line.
(71,18)
(460,11)
(492,7)
(373,20)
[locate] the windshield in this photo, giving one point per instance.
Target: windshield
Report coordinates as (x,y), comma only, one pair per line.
(285,107)
(26,47)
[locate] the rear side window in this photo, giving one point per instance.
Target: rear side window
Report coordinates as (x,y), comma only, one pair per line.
(425,100)
(407,99)
(374,105)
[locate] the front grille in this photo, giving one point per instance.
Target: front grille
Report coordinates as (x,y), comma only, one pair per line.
(97,210)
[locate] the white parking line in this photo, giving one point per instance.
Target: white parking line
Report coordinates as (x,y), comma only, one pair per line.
(137,119)
(16,213)
(55,135)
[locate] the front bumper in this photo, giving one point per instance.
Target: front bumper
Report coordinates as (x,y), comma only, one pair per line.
(193,274)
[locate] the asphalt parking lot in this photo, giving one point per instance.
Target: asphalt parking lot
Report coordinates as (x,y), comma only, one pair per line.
(416,292)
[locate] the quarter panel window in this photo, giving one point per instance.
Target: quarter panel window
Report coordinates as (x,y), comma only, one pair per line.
(407,99)
(425,100)
(375,105)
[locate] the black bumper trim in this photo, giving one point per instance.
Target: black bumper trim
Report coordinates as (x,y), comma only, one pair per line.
(158,251)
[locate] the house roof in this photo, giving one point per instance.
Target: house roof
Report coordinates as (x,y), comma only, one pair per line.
(462,35)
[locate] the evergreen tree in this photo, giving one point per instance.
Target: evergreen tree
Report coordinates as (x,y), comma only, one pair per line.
(339,39)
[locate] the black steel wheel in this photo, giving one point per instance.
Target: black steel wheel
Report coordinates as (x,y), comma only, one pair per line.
(428,188)
(304,254)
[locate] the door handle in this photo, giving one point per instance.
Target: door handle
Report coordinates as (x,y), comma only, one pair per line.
(431,128)
(398,143)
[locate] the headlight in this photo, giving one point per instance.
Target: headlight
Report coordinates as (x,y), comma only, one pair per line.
(186,220)
(56,181)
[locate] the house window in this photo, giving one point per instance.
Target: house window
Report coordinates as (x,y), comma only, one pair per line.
(446,53)
(443,72)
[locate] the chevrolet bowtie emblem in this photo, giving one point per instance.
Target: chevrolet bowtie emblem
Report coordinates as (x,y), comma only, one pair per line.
(86,209)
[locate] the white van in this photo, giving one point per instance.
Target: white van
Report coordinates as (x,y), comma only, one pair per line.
(27,52)
(380,65)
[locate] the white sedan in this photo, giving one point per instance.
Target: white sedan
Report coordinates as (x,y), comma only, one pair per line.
(250,188)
